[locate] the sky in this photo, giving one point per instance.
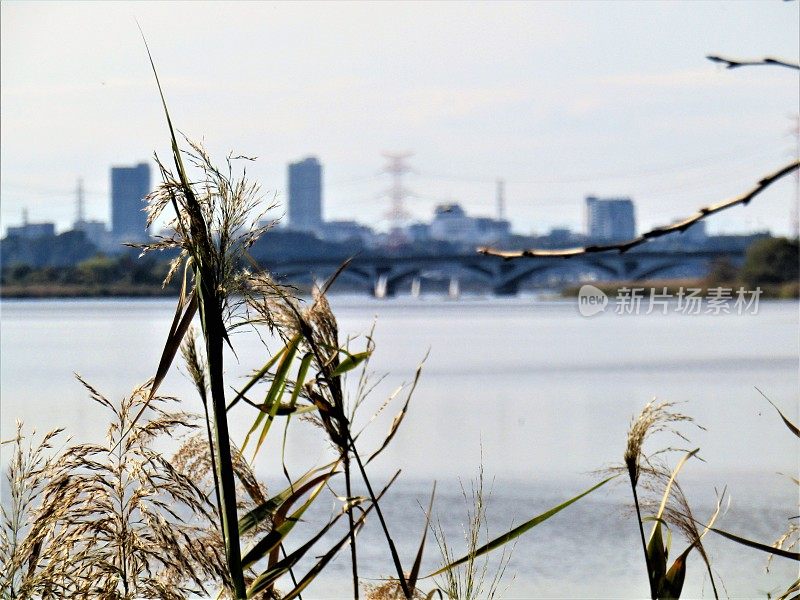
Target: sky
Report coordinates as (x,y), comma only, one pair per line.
(560,100)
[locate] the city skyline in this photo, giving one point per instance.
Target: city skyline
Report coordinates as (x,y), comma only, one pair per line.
(598,216)
(559,100)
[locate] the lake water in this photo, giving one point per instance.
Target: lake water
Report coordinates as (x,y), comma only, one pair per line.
(539,395)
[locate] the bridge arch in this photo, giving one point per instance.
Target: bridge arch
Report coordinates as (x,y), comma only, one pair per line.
(509,284)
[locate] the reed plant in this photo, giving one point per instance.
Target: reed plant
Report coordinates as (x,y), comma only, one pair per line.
(670,508)
(112,520)
(214,226)
(33,563)
(655,489)
(472,580)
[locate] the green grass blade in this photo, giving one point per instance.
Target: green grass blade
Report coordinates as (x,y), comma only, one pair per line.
(324,560)
(673,580)
(271,575)
(259,375)
(398,418)
(271,402)
(518,531)
(657,558)
(302,372)
(792,427)
(283,524)
(350,362)
(757,545)
(175,150)
(173,344)
(329,555)
(174,341)
(412,577)
(268,509)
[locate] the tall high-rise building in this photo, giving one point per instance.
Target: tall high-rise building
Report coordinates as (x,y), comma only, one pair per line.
(129,186)
(610,219)
(305,195)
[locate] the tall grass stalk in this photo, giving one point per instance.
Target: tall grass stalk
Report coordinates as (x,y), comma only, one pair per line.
(469,581)
(317,330)
(213,228)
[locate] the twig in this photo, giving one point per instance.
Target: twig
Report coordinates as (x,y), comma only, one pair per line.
(681,226)
(761,62)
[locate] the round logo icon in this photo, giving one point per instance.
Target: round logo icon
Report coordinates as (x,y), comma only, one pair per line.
(591,300)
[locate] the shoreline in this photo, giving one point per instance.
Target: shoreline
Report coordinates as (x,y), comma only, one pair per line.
(786,291)
(35,292)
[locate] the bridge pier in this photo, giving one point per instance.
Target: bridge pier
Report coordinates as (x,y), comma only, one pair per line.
(416,287)
(380,287)
(506,289)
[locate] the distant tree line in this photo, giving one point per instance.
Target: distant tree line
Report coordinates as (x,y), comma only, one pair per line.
(769,262)
(279,245)
(62,250)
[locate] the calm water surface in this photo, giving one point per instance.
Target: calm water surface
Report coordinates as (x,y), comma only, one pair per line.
(536,393)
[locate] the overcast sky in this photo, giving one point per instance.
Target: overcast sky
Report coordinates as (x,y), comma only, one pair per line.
(559,99)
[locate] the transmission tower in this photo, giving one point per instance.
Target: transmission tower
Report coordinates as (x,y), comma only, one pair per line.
(397,167)
(80,216)
(501,200)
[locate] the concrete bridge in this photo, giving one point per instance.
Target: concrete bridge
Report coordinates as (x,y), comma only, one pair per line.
(388,274)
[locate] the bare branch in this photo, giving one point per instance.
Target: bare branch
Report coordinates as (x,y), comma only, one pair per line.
(681,226)
(762,62)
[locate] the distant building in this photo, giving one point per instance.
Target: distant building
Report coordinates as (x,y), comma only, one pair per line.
(344,231)
(696,234)
(32,231)
(692,238)
(129,186)
(491,231)
(305,195)
(95,231)
(610,219)
(418,233)
(560,237)
(450,223)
